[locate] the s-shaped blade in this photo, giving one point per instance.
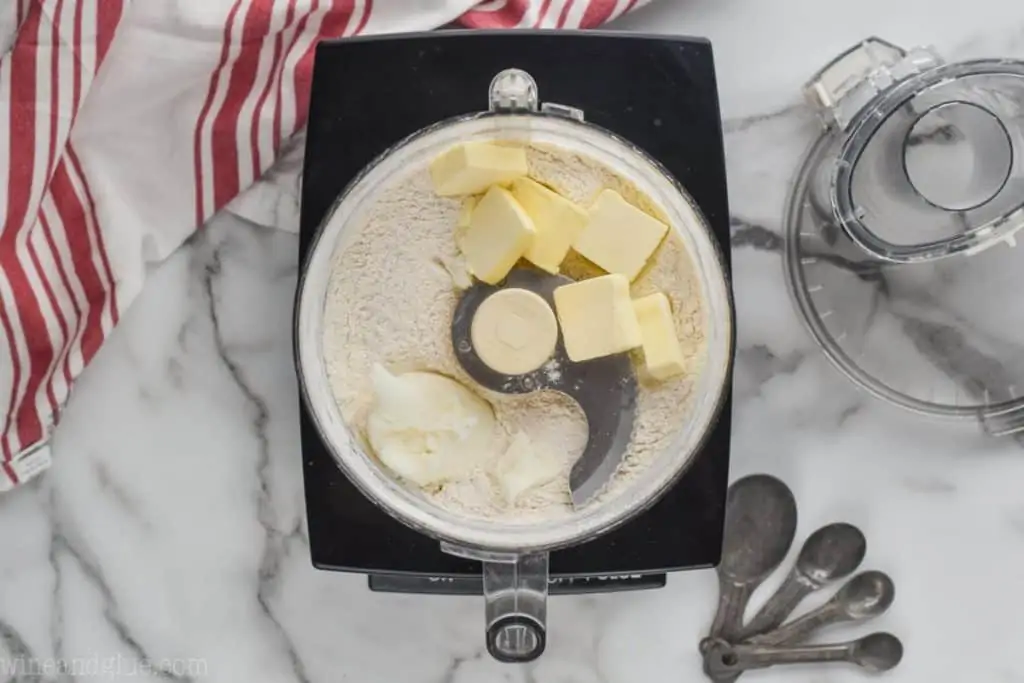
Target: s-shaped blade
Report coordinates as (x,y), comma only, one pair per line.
(604,388)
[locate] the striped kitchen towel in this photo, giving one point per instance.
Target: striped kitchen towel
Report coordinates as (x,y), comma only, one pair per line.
(124,125)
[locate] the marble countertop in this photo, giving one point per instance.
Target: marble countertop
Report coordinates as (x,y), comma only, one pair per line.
(170,532)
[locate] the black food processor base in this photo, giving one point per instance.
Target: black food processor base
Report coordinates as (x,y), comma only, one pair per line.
(659,93)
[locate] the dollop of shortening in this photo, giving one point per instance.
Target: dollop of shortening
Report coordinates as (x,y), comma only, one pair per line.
(428,428)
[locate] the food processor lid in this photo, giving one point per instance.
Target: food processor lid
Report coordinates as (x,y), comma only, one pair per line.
(873,217)
(930,155)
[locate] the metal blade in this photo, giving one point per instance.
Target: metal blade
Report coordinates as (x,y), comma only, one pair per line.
(605,388)
(607,396)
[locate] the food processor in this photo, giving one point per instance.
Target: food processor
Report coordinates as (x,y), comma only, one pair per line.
(901,230)
(426,95)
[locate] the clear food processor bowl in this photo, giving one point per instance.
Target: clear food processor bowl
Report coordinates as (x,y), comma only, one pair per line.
(514,556)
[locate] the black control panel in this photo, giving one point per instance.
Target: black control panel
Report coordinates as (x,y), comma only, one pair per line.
(473,585)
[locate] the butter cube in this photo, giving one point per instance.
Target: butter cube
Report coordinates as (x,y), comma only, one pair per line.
(498,235)
(663,357)
(557,220)
(465,212)
(597,317)
(472,167)
(619,237)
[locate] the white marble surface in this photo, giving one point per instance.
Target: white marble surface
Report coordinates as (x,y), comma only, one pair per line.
(170,530)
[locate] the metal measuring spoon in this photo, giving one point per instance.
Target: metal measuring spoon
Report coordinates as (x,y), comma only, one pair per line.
(760,522)
(830,553)
(865,596)
(875,653)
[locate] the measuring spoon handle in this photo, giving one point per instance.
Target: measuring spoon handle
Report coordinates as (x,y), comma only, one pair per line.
(801,628)
(732,601)
(760,657)
(779,606)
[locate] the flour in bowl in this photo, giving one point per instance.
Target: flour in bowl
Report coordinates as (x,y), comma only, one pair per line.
(390,301)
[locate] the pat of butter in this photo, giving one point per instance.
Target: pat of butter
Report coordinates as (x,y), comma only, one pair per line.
(557,220)
(619,237)
(465,213)
(498,235)
(597,317)
(663,357)
(521,468)
(472,167)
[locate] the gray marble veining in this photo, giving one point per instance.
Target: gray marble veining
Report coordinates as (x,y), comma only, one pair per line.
(169,538)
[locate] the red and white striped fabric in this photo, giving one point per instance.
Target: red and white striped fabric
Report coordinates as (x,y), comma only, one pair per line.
(125,125)
(546,13)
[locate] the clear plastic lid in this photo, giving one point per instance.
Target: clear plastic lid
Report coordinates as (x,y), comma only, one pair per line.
(888,191)
(931,159)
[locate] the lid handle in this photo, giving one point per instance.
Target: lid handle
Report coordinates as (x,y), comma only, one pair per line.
(515,595)
(513,90)
(515,601)
(844,86)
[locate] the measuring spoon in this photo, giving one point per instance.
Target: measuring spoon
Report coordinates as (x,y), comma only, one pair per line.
(865,596)
(760,522)
(830,553)
(876,653)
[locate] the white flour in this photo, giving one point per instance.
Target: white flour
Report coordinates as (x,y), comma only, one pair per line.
(390,301)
